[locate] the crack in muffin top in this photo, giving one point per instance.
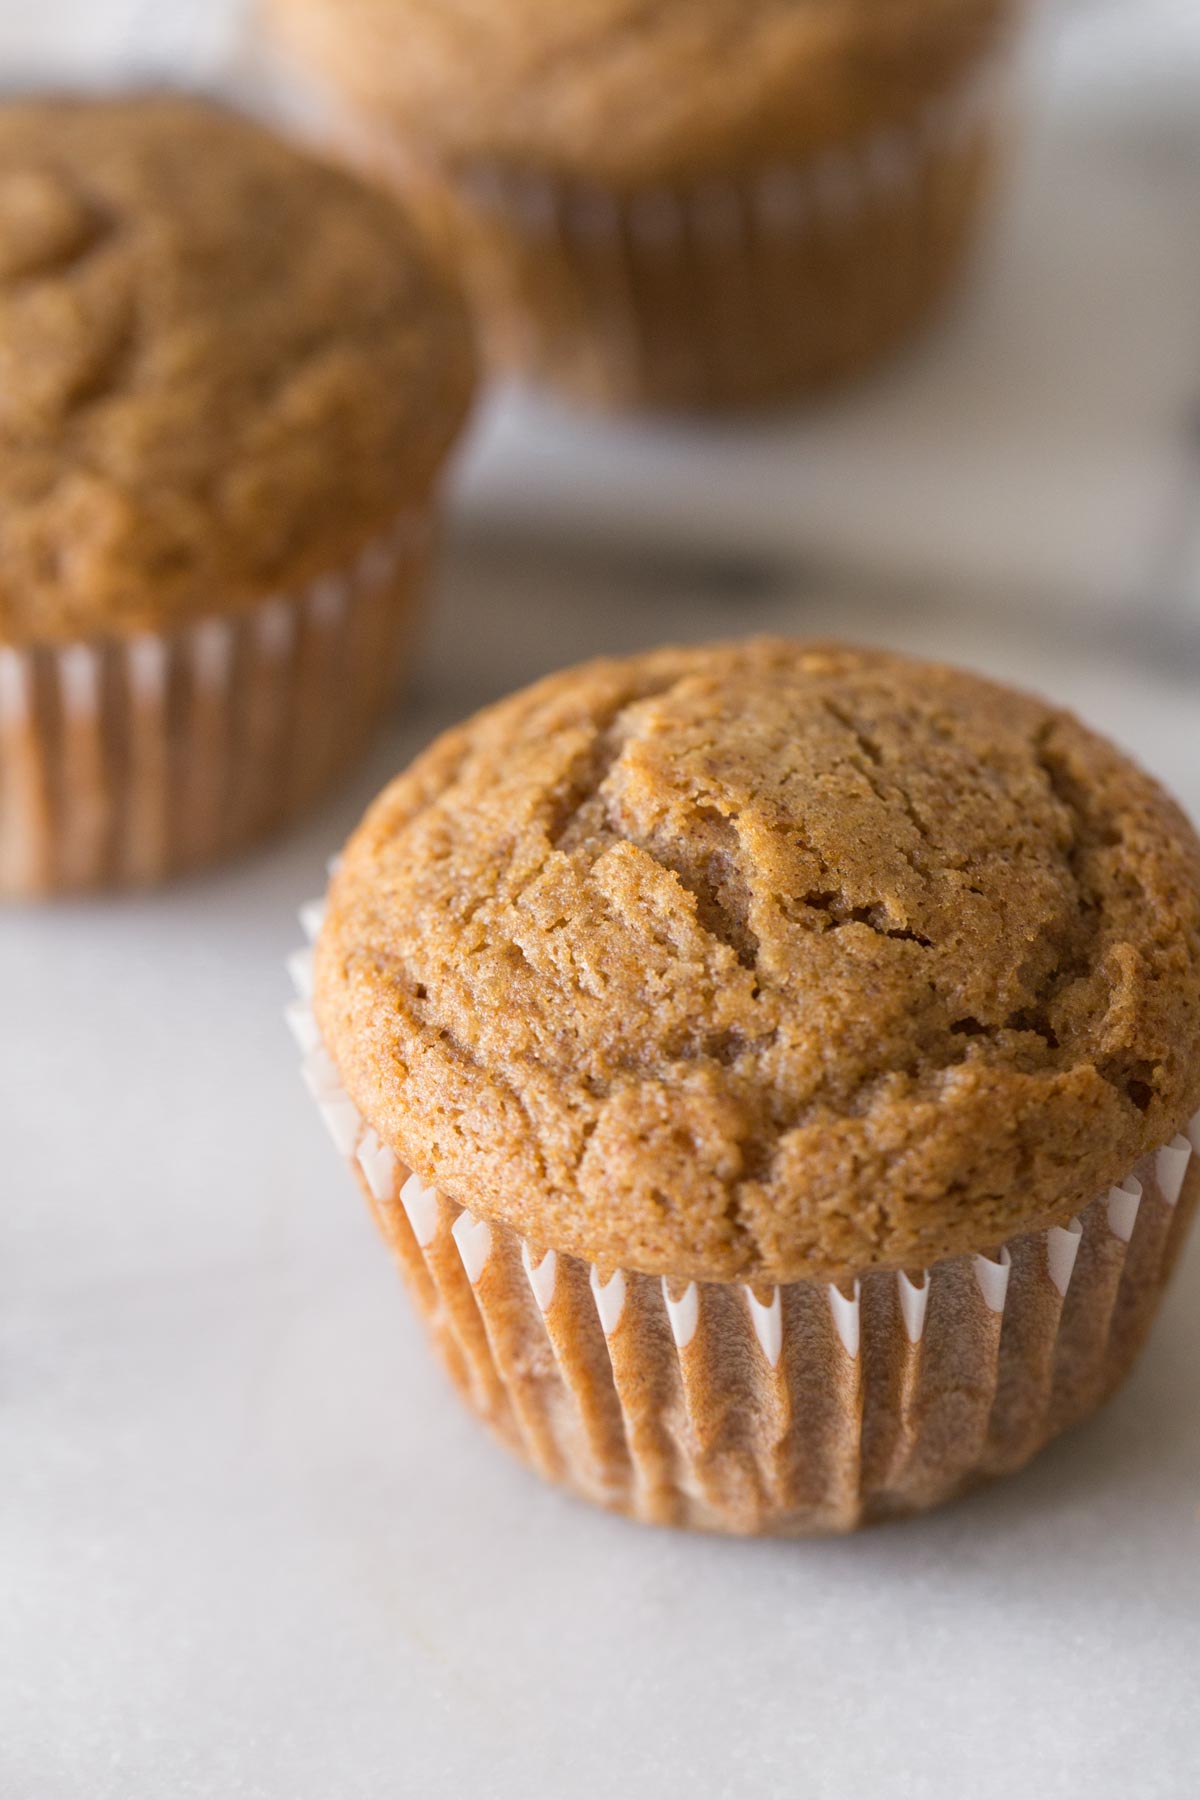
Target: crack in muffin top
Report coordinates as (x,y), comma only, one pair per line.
(768,961)
(224,366)
(632,91)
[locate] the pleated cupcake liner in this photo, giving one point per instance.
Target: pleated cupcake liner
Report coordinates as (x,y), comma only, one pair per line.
(792,1410)
(719,292)
(124,761)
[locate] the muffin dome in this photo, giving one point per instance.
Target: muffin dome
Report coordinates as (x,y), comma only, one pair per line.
(620,90)
(223,365)
(768,961)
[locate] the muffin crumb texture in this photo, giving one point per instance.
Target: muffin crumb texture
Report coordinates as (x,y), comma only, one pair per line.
(223,366)
(768,961)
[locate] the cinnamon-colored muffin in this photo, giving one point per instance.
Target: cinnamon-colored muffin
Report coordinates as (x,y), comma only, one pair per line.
(229,376)
(769,1062)
(702,203)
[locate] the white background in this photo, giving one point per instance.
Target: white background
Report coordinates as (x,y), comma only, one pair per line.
(249,1544)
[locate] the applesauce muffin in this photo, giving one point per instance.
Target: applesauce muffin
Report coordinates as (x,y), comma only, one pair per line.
(771,1065)
(229,376)
(680,203)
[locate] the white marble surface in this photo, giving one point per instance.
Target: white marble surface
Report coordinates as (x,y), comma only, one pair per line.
(250,1546)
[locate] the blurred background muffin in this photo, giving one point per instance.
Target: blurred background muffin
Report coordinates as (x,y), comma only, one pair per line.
(228,379)
(702,204)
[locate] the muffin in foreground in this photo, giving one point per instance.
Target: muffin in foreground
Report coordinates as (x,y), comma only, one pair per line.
(771,1065)
(697,204)
(228,379)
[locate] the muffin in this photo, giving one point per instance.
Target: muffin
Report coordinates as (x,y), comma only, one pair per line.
(680,203)
(771,1065)
(229,376)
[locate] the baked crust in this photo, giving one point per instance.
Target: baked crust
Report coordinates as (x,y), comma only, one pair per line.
(768,961)
(224,366)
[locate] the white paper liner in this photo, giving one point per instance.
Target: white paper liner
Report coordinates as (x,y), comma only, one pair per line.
(836,183)
(126,760)
(803,1408)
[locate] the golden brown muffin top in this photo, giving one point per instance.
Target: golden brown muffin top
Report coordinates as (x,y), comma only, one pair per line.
(630,91)
(768,961)
(223,365)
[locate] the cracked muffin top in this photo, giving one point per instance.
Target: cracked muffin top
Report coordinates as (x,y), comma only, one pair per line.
(223,366)
(768,961)
(640,90)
